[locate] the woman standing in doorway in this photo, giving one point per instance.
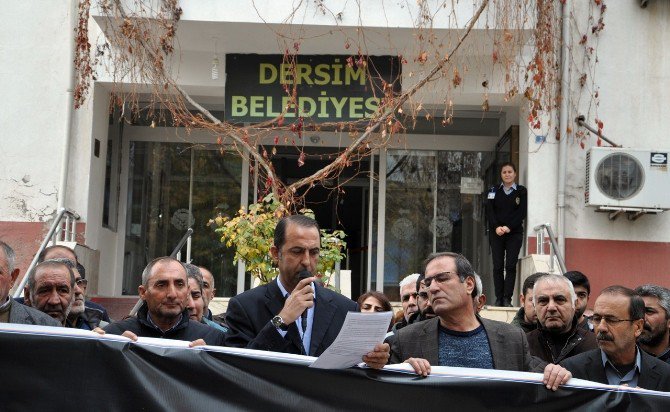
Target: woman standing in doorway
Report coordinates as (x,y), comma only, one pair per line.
(506,210)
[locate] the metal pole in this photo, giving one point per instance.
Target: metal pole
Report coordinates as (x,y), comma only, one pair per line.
(557,251)
(563,124)
(24,281)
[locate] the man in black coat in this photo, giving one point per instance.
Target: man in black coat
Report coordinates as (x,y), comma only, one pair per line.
(269,317)
(164,312)
(558,335)
(618,318)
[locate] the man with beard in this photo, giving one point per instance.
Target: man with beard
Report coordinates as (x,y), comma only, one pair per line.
(164,314)
(457,336)
(618,319)
(583,290)
(656,332)
(525,317)
(557,336)
(81,316)
(51,289)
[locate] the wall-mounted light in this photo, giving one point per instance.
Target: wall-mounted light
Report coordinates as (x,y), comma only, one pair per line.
(215,63)
(215,67)
(315,139)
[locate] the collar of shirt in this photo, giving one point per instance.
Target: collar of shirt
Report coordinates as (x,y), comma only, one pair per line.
(157,327)
(614,376)
(307,338)
(508,190)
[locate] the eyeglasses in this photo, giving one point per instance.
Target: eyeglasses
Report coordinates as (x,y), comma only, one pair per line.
(406,296)
(423,295)
(439,278)
(81,282)
(610,320)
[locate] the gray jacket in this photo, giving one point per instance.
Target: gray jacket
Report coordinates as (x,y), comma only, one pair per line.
(509,347)
(26,315)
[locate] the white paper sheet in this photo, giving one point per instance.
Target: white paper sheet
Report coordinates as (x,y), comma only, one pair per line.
(358,336)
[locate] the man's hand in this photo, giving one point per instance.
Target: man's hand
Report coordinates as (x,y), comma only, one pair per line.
(421,366)
(197,342)
(98,330)
(300,299)
(555,375)
(130,335)
(379,356)
(506,229)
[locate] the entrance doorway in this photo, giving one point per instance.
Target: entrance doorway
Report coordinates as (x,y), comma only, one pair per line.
(339,204)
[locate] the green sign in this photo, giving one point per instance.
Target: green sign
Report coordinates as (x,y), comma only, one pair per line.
(329,88)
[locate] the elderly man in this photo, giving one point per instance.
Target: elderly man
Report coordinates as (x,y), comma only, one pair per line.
(558,335)
(458,336)
(208,293)
(408,296)
(51,289)
(618,318)
(164,312)
(583,290)
(655,335)
(525,317)
(269,317)
(64,252)
(10,310)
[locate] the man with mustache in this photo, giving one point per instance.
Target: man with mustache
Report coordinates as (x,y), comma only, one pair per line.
(408,297)
(164,314)
(656,332)
(51,289)
(457,336)
(270,317)
(558,335)
(618,319)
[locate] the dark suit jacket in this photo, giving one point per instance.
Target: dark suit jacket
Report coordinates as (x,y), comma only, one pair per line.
(654,374)
(249,314)
(30,316)
(509,347)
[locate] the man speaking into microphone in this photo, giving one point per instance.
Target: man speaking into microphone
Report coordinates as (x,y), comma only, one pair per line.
(293,313)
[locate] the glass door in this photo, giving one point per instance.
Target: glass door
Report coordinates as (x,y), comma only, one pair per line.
(174,186)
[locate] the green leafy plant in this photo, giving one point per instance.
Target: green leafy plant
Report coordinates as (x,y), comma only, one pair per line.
(251,233)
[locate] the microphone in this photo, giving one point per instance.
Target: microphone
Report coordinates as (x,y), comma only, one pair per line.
(304,275)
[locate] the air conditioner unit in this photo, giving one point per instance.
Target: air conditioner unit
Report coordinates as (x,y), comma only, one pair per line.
(627,179)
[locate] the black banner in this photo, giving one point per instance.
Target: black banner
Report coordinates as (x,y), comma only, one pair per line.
(58,373)
(329,88)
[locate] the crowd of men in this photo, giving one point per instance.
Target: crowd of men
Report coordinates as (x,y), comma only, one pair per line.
(625,342)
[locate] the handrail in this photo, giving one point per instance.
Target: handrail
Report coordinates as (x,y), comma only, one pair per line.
(53,234)
(554,250)
(175,251)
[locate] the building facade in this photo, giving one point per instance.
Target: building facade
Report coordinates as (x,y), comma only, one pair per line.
(139,183)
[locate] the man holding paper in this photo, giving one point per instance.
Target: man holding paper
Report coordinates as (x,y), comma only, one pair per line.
(458,336)
(290,314)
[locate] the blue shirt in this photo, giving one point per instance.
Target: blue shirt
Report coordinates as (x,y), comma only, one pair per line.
(464,349)
(613,375)
(307,338)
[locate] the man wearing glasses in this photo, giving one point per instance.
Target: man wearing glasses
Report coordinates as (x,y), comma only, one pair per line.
(458,336)
(618,319)
(82,316)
